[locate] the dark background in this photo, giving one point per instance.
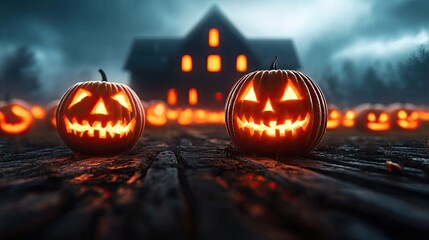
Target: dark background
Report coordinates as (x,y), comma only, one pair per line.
(357,50)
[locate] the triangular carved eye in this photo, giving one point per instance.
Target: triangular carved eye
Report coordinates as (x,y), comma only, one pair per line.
(123,99)
(79,96)
(290,94)
(250,95)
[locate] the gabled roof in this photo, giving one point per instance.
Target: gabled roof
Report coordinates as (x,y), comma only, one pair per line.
(267,49)
(151,54)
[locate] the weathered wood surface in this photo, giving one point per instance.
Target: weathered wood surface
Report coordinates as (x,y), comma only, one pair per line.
(189,183)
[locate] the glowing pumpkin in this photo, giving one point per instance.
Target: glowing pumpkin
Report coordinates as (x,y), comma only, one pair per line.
(334,117)
(276,112)
(156,113)
(348,120)
(404,116)
(15,117)
(51,113)
(100,117)
(38,112)
(372,117)
(424,113)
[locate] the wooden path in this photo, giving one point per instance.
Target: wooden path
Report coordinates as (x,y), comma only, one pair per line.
(190,183)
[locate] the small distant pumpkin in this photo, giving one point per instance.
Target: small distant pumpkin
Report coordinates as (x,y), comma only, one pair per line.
(404,116)
(156,113)
(372,117)
(334,117)
(272,112)
(51,113)
(100,117)
(15,117)
(349,117)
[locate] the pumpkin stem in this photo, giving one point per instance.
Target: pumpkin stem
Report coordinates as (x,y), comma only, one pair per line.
(274,64)
(103,75)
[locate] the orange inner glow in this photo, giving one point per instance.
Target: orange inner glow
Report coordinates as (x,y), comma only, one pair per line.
(16,128)
(193,96)
(38,112)
(214,63)
(185,117)
(213,37)
(156,114)
(121,128)
(291,93)
(406,121)
(54,121)
(424,116)
(241,63)
(172,114)
(349,119)
(333,120)
(79,96)
(381,125)
(172,96)
(100,108)
(249,95)
(123,99)
(186,63)
(273,129)
(268,107)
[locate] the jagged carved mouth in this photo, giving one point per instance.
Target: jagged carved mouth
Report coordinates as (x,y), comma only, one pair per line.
(121,128)
(273,129)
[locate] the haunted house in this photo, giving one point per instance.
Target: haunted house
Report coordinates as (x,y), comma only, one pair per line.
(200,69)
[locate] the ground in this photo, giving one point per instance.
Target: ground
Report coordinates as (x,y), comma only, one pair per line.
(191,183)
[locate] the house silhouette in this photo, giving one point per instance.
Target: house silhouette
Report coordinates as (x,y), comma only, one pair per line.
(200,69)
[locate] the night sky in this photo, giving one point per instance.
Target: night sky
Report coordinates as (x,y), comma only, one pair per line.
(73,39)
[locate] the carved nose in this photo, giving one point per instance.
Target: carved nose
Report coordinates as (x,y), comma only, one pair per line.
(100,108)
(268,107)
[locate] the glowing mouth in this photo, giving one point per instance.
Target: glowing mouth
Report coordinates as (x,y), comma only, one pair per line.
(378,126)
(273,129)
(121,128)
(407,125)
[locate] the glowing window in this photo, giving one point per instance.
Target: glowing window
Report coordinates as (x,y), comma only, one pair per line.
(241,64)
(219,96)
(193,96)
(214,63)
(213,37)
(172,96)
(186,63)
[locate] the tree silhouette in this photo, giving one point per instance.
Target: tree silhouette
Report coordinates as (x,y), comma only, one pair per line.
(19,74)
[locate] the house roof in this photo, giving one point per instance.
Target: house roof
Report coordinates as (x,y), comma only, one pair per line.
(267,49)
(151,54)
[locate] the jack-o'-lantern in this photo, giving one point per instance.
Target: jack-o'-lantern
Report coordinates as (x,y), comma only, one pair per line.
(156,113)
(334,117)
(372,117)
(272,112)
(348,120)
(15,117)
(100,117)
(404,116)
(51,113)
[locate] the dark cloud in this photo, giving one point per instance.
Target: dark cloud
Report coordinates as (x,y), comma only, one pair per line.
(73,38)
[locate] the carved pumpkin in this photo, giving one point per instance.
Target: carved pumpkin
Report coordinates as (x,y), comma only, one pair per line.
(15,117)
(404,116)
(334,117)
(348,120)
(51,113)
(372,117)
(156,113)
(100,117)
(276,112)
